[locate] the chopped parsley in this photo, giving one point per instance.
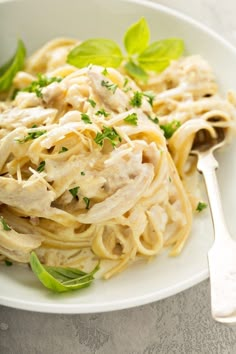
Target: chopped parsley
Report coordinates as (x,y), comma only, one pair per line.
(126,81)
(136,100)
(87,202)
(63,149)
(92,102)
(105,72)
(154,120)
(102,112)
(170,128)
(110,86)
(74,192)
(125,87)
(32,135)
(14,94)
(5,225)
(82,173)
(37,85)
(201,206)
(8,263)
(150,96)
(41,166)
(132,119)
(107,133)
(86,118)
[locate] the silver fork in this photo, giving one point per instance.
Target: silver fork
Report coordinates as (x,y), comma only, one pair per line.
(222,255)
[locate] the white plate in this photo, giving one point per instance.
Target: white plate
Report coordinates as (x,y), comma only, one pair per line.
(38,21)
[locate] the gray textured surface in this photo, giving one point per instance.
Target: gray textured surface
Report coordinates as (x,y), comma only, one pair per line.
(179,324)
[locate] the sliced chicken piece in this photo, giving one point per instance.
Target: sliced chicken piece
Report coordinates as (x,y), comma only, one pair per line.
(31,195)
(17,117)
(32,198)
(114,99)
(122,200)
(7,144)
(18,246)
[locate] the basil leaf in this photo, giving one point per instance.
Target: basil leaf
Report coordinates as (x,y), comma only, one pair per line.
(158,55)
(136,71)
(9,69)
(137,37)
(98,51)
(59,279)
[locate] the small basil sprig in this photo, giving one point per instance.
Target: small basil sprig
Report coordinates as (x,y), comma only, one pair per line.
(60,279)
(9,69)
(96,51)
(141,56)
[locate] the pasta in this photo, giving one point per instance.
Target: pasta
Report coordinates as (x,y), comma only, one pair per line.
(86,172)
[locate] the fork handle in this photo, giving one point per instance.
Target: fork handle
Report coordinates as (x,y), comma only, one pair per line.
(207,164)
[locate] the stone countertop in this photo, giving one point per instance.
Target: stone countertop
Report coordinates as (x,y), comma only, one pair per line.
(181,324)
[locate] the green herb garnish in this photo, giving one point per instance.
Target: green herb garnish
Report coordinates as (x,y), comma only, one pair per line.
(170,128)
(137,37)
(201,206)
(32,135)
(107,133)
(74,192)
(5,225)
(126,81)
(158,55)
(150,96)
(41,166)
(8,263)
(97,51)
(37,85)
(63,149)
(136,71)
(87,202)
(60,279)
(92,102)
(154,120)
(110,86)
(102,112)
(136,100)
(132,119)
(9,69)
(82,173)
(142,56)
(86,118)
(105,72)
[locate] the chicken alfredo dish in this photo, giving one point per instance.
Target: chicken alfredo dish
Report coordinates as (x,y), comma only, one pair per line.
(96,166)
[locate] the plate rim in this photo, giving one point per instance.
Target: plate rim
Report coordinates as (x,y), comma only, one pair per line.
(116,305)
